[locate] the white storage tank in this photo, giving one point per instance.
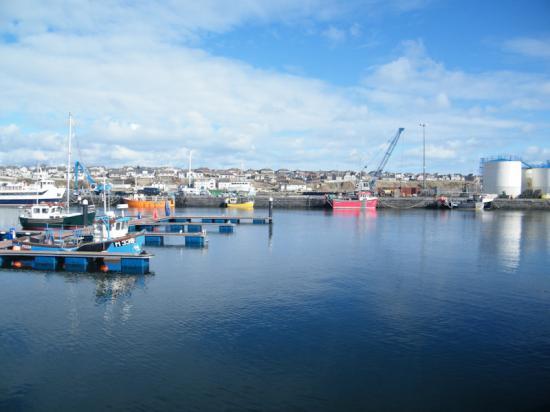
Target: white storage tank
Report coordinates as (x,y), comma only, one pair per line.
(502,175)
(537,178)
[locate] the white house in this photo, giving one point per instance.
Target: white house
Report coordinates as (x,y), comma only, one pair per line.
(204,184)
(293,188)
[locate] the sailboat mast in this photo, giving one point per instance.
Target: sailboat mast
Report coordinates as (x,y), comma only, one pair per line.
(104,196)
(189,173)
(69,161)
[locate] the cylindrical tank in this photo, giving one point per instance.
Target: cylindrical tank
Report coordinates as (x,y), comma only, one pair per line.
(540,179)
(502,176)
(526,179)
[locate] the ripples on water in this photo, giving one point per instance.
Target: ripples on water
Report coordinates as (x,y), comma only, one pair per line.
(411,310)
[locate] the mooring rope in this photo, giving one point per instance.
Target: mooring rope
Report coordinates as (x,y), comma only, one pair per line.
(400,207)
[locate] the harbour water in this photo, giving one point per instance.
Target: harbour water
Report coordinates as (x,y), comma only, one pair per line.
(383,310)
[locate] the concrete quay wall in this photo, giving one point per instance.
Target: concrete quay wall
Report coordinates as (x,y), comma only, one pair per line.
(279,202)
(318,202)
(521,204)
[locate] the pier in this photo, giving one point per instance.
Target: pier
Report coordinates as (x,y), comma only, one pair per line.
(193,239)
(126,263)
(216,219)
(181,227)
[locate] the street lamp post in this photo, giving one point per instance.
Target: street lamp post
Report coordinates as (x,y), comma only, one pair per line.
(423,125)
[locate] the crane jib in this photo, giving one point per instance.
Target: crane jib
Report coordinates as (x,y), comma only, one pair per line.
(389,151)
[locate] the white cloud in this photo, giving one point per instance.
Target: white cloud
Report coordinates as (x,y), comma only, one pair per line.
(536,154)
(433,152)
(335,35)
(140,97)
(442,101)
(415,73)
(539,48)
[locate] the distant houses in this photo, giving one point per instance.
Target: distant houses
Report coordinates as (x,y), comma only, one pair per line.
(204,180)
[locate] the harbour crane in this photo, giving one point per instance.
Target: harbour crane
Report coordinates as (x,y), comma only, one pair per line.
(98,188)
(382,165)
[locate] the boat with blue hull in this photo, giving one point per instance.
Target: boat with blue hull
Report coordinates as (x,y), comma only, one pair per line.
(109,235)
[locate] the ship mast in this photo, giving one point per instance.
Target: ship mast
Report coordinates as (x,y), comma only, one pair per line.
(69,162)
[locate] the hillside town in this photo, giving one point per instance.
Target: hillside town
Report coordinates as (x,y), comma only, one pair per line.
(206,181)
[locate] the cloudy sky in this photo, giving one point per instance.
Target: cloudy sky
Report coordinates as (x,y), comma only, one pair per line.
(312,84)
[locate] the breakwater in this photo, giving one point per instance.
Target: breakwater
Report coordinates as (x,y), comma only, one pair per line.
(318,202)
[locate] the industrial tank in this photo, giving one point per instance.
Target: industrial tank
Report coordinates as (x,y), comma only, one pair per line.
(502,176)
(537,178)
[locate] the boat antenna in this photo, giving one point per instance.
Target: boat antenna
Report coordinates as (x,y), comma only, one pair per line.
(69,162)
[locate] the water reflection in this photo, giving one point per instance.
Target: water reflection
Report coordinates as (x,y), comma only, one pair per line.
(502,235)
(535,233)
(111,288)
(115,292)
(344,212)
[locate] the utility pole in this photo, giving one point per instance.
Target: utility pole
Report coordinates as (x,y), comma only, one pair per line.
(423,125)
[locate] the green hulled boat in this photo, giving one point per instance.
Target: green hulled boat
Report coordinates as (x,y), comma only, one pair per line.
(42,216)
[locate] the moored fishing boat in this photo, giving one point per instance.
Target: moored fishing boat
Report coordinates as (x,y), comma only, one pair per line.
(51,215)
(363,197)
(360,200)
(109,235)
(148,202)
(236,202)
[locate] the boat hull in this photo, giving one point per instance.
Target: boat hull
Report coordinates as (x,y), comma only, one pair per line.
(27,201)
(244,205)
(66,222)
(132,243)
(28,197)
(369,203)
(148,204)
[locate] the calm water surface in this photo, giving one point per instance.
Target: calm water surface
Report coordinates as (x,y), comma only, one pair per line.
(390,310)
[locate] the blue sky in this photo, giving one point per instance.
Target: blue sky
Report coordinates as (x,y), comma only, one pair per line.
(316,84)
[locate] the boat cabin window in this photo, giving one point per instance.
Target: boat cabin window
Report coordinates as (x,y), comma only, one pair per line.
(117,226)
(44,210)
(36,210)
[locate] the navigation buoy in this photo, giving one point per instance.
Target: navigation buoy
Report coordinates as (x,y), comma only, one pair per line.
(104,268)
(17,264)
